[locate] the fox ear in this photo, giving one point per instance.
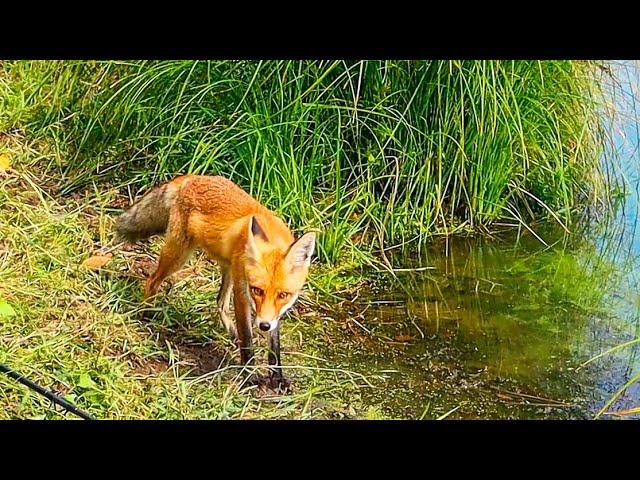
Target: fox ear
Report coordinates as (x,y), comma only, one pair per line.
(255,231)
(299,255)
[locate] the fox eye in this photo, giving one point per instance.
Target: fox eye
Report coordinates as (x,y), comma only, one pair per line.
(258,292)
(283,295)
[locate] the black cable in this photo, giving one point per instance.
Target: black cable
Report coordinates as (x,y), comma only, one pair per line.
(43,391)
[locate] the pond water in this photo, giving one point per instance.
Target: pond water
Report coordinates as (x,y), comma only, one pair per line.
(499,327)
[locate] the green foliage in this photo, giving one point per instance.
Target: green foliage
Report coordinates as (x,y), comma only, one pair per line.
(372,153)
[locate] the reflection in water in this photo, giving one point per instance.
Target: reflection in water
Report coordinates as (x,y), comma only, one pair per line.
(500,327)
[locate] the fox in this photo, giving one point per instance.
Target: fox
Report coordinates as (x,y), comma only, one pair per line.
(263,267)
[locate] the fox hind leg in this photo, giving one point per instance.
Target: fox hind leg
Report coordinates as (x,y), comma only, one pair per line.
(224,302)
(173,256)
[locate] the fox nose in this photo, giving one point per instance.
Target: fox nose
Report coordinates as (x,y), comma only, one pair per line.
(265,326)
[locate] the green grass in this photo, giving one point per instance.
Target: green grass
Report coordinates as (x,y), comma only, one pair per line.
(78,331)
(372,154)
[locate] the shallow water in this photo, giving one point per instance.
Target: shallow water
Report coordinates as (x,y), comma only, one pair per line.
(499,328)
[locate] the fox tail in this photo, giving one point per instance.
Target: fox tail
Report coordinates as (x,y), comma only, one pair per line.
(149,215)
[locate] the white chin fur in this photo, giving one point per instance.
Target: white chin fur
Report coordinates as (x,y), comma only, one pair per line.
(274,325)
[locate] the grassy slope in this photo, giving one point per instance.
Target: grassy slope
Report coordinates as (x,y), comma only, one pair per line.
(78,331)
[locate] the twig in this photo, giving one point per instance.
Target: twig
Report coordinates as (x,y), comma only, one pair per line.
(534,397)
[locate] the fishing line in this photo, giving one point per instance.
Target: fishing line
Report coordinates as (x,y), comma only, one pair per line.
(44,392)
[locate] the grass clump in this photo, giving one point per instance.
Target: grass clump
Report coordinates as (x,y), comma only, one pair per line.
(374,154)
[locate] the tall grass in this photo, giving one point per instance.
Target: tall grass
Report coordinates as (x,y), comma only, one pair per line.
(372,153)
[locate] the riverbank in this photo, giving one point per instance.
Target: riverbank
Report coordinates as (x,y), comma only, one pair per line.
(370,166)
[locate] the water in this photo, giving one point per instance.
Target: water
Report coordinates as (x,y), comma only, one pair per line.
(500,327)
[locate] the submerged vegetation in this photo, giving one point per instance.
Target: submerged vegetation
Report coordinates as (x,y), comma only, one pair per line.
(372,153)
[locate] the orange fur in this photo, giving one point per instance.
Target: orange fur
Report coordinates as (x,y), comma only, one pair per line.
(260,261)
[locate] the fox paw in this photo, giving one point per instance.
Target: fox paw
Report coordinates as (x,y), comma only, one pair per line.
(253,380)
(268,384)
(280,382)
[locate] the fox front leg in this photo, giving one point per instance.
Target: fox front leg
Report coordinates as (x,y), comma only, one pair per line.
(278,379)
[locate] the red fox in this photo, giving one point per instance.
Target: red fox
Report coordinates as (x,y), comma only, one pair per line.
(260,261)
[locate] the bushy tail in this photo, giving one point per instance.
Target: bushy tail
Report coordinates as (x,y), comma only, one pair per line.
(149,215)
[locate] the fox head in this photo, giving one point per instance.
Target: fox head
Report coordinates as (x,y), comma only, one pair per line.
(275,275)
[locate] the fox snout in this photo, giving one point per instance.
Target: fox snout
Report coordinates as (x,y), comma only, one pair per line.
(267,325)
